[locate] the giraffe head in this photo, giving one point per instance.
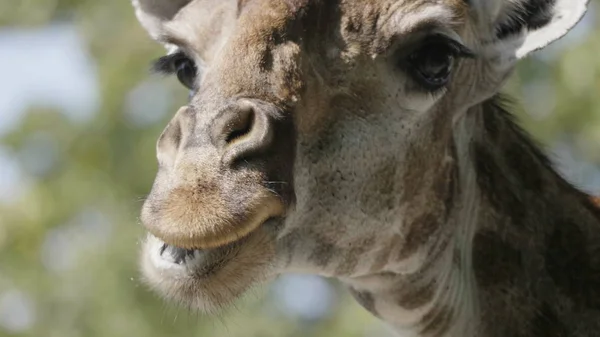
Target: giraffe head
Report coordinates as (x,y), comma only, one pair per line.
(317,131)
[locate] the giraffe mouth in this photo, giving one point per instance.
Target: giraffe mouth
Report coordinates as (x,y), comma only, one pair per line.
(209,279)
(201,261)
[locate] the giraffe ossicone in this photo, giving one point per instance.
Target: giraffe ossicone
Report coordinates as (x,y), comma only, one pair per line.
(366,140)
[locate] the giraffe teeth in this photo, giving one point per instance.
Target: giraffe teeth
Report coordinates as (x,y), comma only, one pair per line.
(163,248)
(196,257)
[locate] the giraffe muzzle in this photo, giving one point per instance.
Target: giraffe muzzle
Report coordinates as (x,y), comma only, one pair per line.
(220,177)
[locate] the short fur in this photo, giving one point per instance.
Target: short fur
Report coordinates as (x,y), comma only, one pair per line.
(305,147)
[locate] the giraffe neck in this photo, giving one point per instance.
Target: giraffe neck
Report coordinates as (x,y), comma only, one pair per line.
(519,258)
(535,251)
(439,297)
(439,302)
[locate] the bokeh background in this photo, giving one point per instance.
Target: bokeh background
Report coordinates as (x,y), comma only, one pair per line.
(79,117)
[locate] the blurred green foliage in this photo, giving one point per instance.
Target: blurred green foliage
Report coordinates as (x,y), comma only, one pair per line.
(108,165)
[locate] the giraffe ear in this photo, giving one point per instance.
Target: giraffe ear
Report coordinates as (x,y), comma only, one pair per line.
(152,14)
(520,27)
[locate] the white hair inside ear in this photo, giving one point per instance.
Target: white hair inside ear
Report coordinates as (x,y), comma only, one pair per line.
(518,27)
(566,14)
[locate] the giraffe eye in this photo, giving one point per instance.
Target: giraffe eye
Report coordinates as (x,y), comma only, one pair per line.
(431,64)
(186,72)
(179,64)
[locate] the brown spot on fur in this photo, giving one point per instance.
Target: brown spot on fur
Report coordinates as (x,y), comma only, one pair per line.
(378,194)
(322,253)
(530,179)
(353,254)
(384,254)
(491,124)
(436,251)
(415,297)
(547,323)
(495,262)
(497,184)
(569,264)
(365,299)
(414,176)
(419,234)
(437,321)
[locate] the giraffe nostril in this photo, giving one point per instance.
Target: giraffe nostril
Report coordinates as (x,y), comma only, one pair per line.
(244,131)
(240,126)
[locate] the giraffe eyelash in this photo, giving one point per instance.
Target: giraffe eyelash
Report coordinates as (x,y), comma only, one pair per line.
(181,65)
(166,64)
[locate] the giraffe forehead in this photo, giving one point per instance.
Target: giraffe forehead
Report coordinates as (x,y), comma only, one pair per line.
(293,5)
(200,23)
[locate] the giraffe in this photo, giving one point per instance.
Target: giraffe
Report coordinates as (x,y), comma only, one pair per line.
(368,141)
